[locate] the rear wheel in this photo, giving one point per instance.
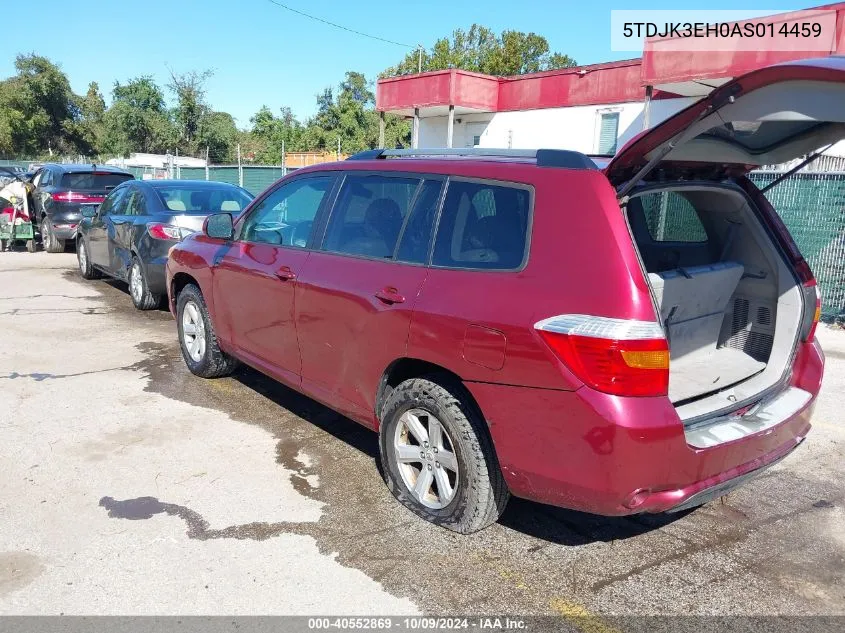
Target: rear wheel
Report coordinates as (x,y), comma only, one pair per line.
(142,298)
(438,458)
(86,268)
(31,246)
(51,243)
(197,340)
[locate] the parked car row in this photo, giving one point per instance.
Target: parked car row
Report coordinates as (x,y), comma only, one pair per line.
(633,338)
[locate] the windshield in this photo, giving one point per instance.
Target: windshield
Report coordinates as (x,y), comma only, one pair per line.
(204,199)
(93,180)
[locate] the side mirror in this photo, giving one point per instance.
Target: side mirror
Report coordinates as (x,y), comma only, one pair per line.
(90,212)
(219,226)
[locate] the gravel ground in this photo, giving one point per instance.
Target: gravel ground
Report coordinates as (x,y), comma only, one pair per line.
(132,487)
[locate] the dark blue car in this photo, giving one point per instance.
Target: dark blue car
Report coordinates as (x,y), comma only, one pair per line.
(129,235)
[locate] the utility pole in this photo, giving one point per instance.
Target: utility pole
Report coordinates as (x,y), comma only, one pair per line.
(178,171)
(206,162)
(338,148)
(284,167)
(240,168)
(419,57)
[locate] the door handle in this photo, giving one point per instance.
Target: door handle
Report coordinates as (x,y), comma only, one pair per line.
(390,296)
(285,274)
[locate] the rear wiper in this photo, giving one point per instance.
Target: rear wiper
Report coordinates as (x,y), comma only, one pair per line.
(798,167)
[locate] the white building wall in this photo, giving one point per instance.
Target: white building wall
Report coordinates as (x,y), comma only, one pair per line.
(575,128)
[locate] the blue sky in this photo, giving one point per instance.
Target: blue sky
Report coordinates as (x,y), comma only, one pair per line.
(262,54)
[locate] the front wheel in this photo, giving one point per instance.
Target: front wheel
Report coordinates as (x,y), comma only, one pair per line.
(438,458)
(197,340)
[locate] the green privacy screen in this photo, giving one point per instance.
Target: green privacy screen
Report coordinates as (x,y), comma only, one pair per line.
(812,206)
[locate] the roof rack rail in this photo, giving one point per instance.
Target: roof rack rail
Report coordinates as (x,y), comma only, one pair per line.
(544,157)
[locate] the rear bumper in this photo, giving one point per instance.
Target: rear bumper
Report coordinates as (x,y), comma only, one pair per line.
(608,455)
(156,276)
(64,221)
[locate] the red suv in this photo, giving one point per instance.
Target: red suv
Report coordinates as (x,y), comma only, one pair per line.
(638,338)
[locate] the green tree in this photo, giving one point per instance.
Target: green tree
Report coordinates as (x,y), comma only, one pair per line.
(191,107)
(38,110)
(217,132)
(137,120)
(351,118)
(481,50)
(269,131)
(92,109)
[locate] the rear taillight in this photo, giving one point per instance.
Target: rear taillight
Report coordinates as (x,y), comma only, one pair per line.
(812,297)
(160,231)
(80,198)
(616,356)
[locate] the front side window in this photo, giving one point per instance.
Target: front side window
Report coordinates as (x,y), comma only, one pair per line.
(113,203)
(286,216)
(368,215)
(46,178)
(135,203)
(482,226)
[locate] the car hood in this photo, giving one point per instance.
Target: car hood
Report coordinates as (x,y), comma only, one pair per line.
(769,116)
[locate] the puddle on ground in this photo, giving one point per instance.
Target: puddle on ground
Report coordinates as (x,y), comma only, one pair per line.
(142,508)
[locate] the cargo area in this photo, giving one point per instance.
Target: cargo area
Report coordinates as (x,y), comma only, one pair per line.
(730,306)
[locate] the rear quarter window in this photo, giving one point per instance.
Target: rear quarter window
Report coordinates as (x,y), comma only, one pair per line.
(670,217)
(483,225)
(91,180)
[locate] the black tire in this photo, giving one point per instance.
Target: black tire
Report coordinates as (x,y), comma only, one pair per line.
(31,246)
(83,259)
(212,363)
(3,244)
(480,494)
(48,239)
(142,298)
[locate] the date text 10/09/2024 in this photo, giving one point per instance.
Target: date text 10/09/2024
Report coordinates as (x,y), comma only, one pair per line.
(417,623)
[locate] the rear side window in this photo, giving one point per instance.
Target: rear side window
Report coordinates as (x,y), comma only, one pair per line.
(92,180)
(368,215)
(203,200)
(482,226)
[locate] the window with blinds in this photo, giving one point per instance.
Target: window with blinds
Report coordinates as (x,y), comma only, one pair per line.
(608,132)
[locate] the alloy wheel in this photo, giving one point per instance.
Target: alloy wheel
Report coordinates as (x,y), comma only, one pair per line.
(193,331)
(136,285)
(82,256)
(426,458)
